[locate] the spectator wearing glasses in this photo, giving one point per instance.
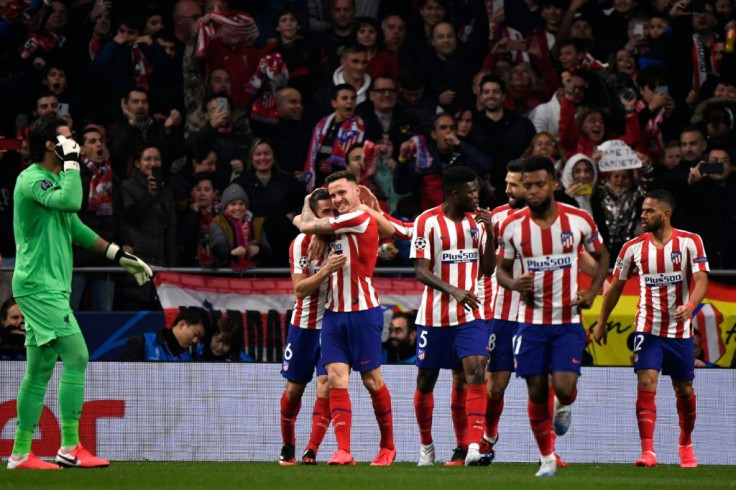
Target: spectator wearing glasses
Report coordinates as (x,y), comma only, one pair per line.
(384,121)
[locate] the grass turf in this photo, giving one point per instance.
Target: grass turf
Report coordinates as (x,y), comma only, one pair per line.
(221,476)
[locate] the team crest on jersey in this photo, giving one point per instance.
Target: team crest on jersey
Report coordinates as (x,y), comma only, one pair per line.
(676,257)
(303,262)
(567,239)
(420,243)
(474,233)
(46,185)
(619,264)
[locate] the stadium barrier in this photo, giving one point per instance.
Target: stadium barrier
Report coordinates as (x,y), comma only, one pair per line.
(230,412)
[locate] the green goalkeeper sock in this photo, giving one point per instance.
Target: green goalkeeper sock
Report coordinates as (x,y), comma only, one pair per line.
(39,367)
(74,356)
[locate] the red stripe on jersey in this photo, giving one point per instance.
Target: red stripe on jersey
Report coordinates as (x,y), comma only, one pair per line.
(547,278)
(677,266)
(526,251)
(648,309)
(445,268)
(308,311)
(664,301)
(567,273)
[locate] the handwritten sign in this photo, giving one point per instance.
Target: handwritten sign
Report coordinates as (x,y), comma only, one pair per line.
(617,155)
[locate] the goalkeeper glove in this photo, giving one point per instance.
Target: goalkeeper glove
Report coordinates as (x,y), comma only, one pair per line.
(140,270)
(68,152)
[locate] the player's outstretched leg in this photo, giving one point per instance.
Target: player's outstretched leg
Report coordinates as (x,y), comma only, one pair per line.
(320,424)
(39,367)
(381,399)
(341,412)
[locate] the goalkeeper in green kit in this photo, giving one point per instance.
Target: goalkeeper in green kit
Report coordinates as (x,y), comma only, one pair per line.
(47,196)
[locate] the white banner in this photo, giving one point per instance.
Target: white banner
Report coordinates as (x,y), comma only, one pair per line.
(617,155)
(230,412)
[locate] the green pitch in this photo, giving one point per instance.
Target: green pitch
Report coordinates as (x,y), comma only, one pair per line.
(404,476)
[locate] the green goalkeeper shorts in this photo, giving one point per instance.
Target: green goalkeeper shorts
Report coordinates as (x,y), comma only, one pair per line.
(48,317)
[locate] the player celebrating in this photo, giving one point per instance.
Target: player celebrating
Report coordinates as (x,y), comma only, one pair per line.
(666,259)
(550,337)
(353,321)
(449,249)
(47,196)
(302,352)
(500,307)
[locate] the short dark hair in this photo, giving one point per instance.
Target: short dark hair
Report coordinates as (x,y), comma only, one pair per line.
(339,87)
(539,162)
(135,89)
(493,78)
(662,195)
(320,194)
(285,10)
(201,176)
(691,128)
(516,165)
(192,315)
(342,174)
(41,131)
(579,44)
(353,47)
(409,316)
(7,304)
(455,177)
(89,129)
(359,144)
(439,116)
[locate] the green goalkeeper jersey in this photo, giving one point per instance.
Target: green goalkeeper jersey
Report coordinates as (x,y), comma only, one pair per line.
(45,224)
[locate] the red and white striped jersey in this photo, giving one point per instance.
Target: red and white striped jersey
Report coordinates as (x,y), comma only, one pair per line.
(308,311)
(351,288)
(403,230)
(664,279)
(453,250)
(552,256)
(505,301)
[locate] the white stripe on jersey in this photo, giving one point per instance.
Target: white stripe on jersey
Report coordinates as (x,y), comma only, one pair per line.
(453,250)
(552,255)
(308,311)
(664,279)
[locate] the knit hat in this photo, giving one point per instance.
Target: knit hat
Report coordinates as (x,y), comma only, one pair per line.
(231,193)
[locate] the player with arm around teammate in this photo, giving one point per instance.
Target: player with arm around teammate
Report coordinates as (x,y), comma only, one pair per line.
(47,196)
(353,321)
(550,337)
(302,351)
(668,260)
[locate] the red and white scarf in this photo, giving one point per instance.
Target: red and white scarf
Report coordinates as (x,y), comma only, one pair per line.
(100,188)
(350,131)
(239,21)
(652,132)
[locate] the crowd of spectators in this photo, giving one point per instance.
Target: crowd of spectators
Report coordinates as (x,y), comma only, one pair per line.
(204,123)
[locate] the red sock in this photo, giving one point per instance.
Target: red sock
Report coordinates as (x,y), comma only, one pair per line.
(320,423)
(289,411)
(341,412)
(381,399)
(646,417)
(493,415)
(475,404)
(551,400)
(542,429)
(686,412)
(459,417)
(423,408)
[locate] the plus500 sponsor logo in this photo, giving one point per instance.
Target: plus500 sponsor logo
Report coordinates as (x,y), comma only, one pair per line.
(655,280)
(459,256)
(548,263)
